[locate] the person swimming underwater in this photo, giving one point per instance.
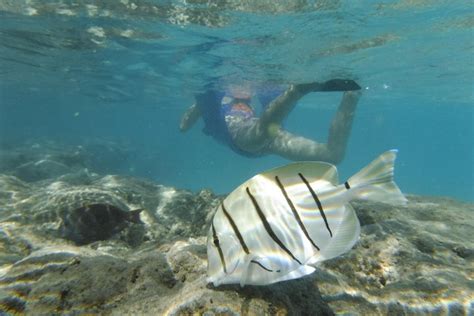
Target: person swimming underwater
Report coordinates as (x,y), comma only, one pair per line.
(229,118)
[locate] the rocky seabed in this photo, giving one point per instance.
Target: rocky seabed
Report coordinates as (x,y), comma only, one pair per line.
(416,259)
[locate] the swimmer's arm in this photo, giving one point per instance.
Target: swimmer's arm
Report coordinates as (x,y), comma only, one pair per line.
(190,117)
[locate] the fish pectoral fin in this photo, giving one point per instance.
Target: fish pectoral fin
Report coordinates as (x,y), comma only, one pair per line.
(232,250)
(296,273)
(266,264)
(344,238)
(245,269)
(260,270)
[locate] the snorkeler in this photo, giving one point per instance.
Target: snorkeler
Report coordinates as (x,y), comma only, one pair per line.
(229,117)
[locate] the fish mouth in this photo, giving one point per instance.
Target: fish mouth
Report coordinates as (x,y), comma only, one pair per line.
(212,280)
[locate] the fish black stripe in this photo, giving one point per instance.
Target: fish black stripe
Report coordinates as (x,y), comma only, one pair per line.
(295,213)
(318,202)
(216,243)
(236,229)
(263,267)
(268,228)
(346,184)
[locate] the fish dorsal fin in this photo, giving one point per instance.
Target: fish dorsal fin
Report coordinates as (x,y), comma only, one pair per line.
(311,170)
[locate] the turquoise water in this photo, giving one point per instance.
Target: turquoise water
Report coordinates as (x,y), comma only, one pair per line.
(125,71)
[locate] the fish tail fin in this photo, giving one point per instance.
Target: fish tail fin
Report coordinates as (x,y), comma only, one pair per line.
(375,181)
(134,216)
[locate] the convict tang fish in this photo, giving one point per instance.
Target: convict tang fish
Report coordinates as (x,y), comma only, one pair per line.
(279,224)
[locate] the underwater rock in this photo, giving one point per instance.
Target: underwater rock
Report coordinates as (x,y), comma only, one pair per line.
(42,160)
(415,259)
(408,261)
(165,281)
(56,208)
(33,161)
(62,279)
(42,169)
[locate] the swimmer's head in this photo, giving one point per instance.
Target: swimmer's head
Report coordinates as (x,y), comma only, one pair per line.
(241,91)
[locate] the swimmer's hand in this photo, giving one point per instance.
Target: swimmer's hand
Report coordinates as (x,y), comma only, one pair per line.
(339,85)
(189,118)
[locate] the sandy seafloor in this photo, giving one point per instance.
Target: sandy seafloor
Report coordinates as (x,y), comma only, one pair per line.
(416,259)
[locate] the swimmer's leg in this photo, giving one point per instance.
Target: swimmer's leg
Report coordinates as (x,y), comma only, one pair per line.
(279,108)
(296,147)
(341,126)
(247,134)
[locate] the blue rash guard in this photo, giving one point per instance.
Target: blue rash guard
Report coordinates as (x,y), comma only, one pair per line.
(214,111)
(209,104)
(268,93)
(215,106)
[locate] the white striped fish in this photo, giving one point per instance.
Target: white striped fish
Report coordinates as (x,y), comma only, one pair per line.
(279,224)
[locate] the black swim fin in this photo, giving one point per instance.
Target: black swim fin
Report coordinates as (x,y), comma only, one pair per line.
(329,86)
(339,85)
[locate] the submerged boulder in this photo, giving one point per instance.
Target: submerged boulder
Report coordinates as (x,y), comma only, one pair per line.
(41,169)
(37,160)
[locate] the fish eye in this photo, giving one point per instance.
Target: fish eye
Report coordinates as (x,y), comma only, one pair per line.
(216,242)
